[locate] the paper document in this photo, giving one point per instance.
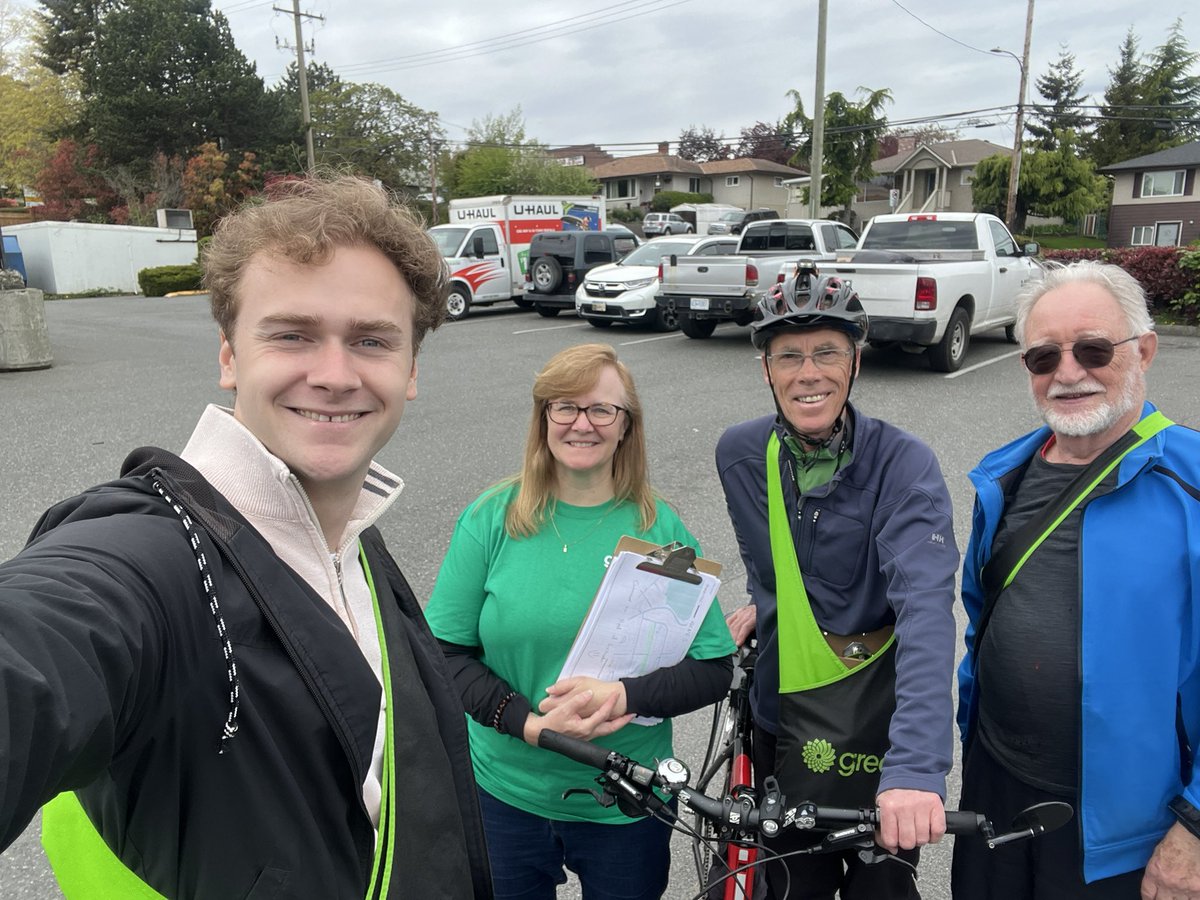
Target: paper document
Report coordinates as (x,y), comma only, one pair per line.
(639,622)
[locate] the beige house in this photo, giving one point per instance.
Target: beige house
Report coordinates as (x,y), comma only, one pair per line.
(1155,200)
(751,183)
(925,178)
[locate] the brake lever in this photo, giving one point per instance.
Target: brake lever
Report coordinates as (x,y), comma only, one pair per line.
(604,798)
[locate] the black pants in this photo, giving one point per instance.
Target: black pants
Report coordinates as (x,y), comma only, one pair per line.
(1047,868)
(823,876)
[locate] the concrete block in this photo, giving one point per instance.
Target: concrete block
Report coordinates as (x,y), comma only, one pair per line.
(24,340)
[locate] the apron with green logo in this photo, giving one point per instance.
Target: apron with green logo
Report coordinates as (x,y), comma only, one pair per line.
(833,719)
(87,869)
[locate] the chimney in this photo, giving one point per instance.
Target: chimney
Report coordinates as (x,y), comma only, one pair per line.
(664,147)
(906,144)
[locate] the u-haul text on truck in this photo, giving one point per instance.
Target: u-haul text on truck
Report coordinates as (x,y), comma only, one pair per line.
(486,243)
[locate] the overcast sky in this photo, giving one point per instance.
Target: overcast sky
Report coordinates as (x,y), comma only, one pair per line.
(638,72)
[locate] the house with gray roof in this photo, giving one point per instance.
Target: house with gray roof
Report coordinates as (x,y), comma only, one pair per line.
(926,178)
(1154,199)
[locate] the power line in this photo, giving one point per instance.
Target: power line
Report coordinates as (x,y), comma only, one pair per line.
(942,33)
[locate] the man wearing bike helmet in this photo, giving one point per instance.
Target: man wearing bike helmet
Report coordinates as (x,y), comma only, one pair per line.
(844,525)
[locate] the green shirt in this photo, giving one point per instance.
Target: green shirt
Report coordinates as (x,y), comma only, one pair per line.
(522,601)
(816,467)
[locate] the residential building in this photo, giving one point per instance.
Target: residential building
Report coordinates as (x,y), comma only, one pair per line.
(632,181)
(751,183)
(925,178)
(1154,199)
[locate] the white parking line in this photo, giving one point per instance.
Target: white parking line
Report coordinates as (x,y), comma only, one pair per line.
(551,328)
(657,337)
(995,359)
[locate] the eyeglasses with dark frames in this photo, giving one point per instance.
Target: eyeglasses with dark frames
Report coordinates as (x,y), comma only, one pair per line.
(1091,353)
(563,412)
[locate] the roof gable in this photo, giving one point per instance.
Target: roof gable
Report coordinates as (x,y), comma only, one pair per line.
(1172,158)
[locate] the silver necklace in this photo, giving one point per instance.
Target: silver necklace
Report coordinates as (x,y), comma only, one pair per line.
(567,545)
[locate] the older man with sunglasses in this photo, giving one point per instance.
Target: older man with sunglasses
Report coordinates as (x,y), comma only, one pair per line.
(1081,680)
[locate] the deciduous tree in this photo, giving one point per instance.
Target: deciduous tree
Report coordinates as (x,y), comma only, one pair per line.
(851,143)
(764,140)
(701,145)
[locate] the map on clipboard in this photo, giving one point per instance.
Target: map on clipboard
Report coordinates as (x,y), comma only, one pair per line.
(646,614)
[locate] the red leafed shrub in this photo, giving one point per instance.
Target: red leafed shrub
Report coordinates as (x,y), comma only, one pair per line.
(1156,268)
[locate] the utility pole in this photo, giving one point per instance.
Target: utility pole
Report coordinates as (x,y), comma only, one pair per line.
(302,77)
(818,137)
(1014,175)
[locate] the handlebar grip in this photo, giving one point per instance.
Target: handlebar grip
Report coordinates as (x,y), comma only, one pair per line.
(573,748)
(961,821)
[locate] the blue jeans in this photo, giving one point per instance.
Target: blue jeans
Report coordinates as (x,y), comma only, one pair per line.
(613,862)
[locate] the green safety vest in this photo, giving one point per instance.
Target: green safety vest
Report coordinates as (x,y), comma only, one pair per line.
(87,869)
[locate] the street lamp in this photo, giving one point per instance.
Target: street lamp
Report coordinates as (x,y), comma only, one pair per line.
(1014,175)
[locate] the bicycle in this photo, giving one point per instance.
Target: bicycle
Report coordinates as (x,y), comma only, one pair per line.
(730,752)
(632,786)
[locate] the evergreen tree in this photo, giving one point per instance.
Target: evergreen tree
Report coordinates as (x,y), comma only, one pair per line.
(1122,132)
(1172,91)
(1059,87)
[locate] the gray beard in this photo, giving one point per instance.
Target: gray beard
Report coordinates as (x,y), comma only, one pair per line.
(1101,418)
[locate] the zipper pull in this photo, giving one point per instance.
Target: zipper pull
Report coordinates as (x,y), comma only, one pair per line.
(337,567)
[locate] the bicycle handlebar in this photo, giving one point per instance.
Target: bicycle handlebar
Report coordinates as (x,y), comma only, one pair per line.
(627,779)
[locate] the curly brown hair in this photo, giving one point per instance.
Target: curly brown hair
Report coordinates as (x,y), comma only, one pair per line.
(307,219)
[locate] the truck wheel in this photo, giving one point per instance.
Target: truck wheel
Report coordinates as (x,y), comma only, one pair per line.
(664,319)
(523,302)
(697,328)
(947,355)
(548,312)
(546,274)
(458,302)
(1010,334)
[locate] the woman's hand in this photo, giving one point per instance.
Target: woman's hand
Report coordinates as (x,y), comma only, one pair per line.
(562,691)
(570,717)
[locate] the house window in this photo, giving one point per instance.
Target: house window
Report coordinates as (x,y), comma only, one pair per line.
(1163,184)
(732,180)
(968,176)
(778,182)
(621,187)
(693,185)
(1143,236)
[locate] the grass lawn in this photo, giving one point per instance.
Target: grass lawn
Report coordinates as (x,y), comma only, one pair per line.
(1068,242)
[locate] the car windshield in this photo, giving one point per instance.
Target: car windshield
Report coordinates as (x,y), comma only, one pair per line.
(731,217)
(448,240)
(649,254)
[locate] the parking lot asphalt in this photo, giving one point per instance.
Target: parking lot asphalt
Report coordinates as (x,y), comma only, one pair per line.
(133,371)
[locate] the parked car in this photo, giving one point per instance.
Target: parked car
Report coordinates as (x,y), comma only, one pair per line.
(625,291)
(665,223)
(734,222)
(559,260)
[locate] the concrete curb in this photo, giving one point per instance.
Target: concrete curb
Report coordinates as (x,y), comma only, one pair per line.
(1178,330)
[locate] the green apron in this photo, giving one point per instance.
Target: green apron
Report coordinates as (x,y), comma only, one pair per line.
(87,869)
(833,719)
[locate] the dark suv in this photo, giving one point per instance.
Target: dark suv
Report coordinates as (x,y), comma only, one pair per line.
(734,222)
(558,260)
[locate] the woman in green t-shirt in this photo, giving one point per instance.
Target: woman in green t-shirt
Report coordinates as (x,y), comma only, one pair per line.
(522,569)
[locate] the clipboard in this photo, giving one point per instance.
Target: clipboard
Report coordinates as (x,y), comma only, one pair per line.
(646,613)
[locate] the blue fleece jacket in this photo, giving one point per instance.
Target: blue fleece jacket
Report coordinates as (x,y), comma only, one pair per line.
(1139,574)
(875,547)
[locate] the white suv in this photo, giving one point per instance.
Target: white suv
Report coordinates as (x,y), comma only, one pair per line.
(665,223)
(625,291)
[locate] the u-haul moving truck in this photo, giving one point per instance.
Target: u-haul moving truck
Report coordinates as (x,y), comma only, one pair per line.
(486,243)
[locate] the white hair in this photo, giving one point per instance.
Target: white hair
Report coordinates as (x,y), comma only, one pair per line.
(1121,286)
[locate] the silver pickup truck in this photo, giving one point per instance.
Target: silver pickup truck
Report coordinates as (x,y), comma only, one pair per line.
(703,291)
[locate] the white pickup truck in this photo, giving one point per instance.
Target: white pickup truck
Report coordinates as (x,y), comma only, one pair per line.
(705,290)
(931,280)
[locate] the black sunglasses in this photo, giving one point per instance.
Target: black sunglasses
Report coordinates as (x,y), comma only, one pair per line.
(1091,353)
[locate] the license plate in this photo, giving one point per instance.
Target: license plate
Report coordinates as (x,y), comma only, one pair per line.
(699,303)
(599,306)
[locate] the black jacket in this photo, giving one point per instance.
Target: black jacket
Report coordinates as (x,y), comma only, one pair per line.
(113,682)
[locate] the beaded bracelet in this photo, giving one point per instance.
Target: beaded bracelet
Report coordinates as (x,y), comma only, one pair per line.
(497,719)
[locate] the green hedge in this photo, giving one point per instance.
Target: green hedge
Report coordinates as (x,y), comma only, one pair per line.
(664,200)
(163,280)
